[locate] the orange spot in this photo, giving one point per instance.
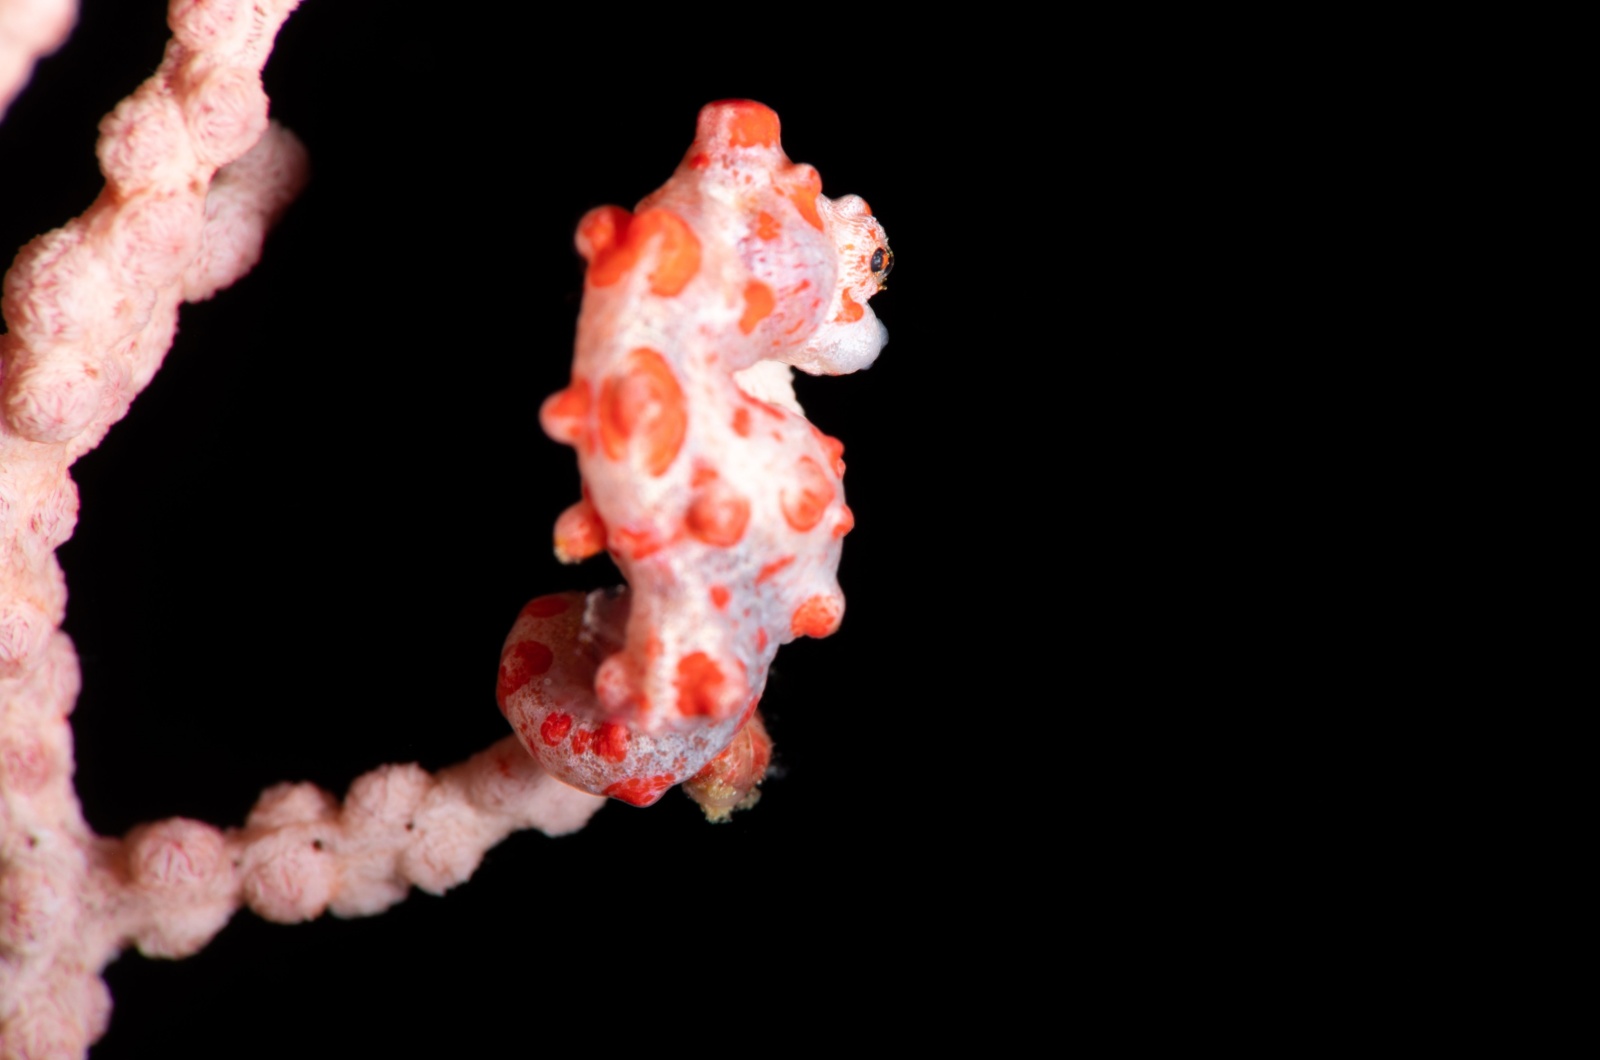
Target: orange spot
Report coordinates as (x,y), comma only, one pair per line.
(702,475)
(652,646)
(611,265)
(772,568)
(720,596)
(521,663)
(758,303)
(851,312)
(817,617)
(767,226)
(535,658)
(761,638)
(679,258)
(565,412)
(612,240)
(803,191)
(741,422)
(641,791)
(637,544)
(643,399)
(555,728)
(804,504)
(573,402)
(698,681)
(718,515)
(751,125)
(834,448)
(580,533)
(846,523)
(611,742)
(699,160)
(599,233)
(580,741)
(545,606)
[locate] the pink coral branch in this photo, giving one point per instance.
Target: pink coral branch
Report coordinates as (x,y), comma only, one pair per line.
(71,901)
(90,311)
(29,29)
(195,176)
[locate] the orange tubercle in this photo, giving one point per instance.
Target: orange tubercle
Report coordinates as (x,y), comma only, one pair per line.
(802,189)
(835,450)
(636,544)
(604,241)
(751,124)
(846,523)
(599,233)
(564,414)
(613,239)
(819,616)
(758,303)
(643,399)
(699,683)
(718,514)
(611,741)
(851,311)
(580,533)
(554,728)
(805,502)
(680,250)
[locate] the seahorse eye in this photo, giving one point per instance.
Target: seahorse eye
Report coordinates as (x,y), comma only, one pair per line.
(882,262)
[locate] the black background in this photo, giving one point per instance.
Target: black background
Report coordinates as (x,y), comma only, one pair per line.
(297,557)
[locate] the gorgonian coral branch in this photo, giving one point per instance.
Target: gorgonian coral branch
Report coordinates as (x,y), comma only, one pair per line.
(29,29)
(194,177)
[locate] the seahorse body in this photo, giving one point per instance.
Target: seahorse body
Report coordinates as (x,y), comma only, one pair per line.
(723,507)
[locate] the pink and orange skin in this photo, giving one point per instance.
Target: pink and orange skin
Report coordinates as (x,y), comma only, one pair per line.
(720,503)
